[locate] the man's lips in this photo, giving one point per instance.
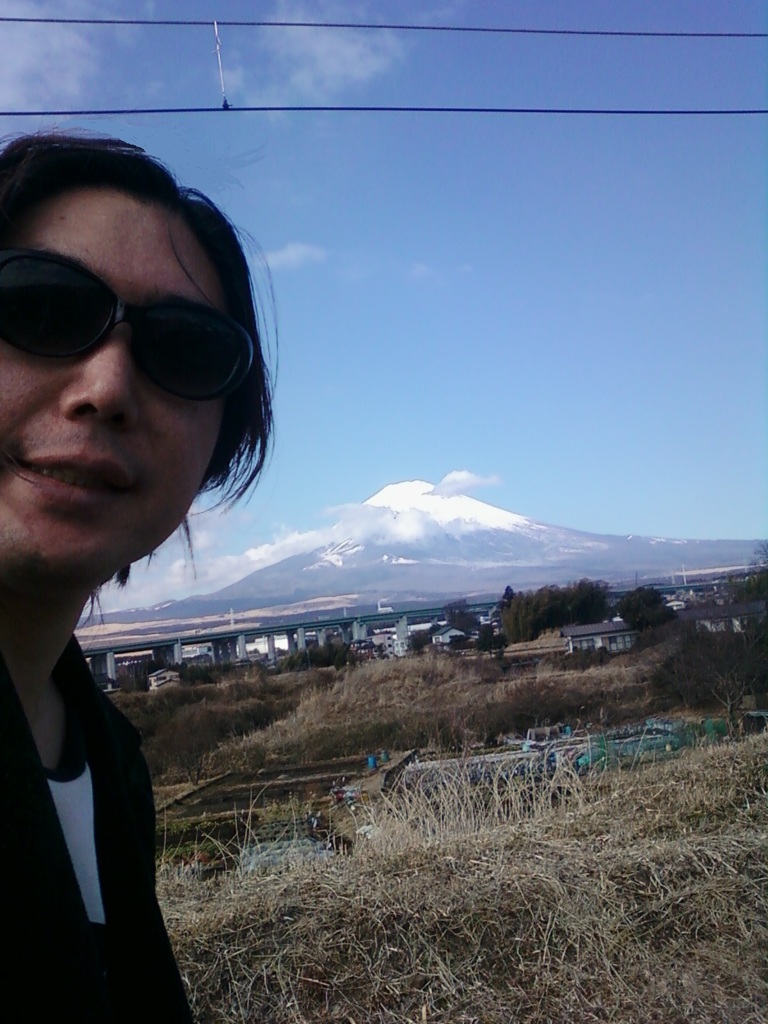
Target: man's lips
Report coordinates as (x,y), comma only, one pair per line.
(89,474)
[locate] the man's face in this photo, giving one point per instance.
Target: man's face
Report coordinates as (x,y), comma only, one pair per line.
(98,465)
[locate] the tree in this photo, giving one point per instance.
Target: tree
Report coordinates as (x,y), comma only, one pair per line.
(526,616)
(332,653)
(458,616)
(191,736)
(738,668)
(644,608)
(726,665)
(755,586)
(489,640)
(587,602)
(421,639)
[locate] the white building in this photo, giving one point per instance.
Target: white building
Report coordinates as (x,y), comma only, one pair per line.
(611,636)
(444,636)
(163,677)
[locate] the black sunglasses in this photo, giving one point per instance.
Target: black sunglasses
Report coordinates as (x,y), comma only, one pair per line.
(51,306)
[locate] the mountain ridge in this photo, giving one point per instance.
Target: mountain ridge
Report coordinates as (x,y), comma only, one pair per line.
(416,538)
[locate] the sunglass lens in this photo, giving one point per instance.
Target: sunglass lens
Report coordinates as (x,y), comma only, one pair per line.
(191,353)
(49,308)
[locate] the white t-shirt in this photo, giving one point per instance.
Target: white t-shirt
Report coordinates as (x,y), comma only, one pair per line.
(74,804)
(71,787)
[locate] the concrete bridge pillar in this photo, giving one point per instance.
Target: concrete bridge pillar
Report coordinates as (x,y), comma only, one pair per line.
(271,648)
(98,663)
(242,650)
(224,649)
(401,628)
(178,655)
(103,664)
(165,654)
(346,634)
(359,630)
(322,636)
(291,636)
(301,638)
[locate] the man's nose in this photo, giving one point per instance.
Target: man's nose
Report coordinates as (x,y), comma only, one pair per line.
(105,382)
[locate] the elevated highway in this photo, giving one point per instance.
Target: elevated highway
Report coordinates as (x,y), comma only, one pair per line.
(230,643)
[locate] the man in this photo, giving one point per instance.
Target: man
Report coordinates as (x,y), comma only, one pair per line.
(131,379)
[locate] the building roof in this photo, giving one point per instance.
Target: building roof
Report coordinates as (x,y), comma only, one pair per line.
(723,611)
(597,629)
(449,631)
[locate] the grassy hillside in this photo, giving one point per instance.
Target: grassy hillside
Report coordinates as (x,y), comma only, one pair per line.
(434,700)
(632,897)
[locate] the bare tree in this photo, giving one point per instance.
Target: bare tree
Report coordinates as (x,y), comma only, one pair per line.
(726,665)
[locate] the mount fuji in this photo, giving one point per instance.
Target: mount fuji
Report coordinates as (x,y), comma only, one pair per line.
(417,541)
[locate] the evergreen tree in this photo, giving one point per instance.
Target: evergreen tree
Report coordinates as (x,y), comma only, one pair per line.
(644,608)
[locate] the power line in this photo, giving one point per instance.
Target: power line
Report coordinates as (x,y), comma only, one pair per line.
(383,109)
(369,26)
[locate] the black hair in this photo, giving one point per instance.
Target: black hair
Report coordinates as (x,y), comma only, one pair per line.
(37,167)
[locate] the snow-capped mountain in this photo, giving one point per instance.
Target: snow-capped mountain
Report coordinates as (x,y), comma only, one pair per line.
(417,496)
(414,540)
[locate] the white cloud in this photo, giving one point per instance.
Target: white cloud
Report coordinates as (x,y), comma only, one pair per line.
(172,574)
(46,65)
(169,577)
(295,255)
(313,65)
(374,524)
(461,481)
(291,544)
(160,580)
(362,523)
(422,272)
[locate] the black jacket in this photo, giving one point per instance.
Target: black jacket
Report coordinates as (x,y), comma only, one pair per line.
(48,967)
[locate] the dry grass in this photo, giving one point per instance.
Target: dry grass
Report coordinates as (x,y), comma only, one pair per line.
(432,701)
(441,701)
(641,896)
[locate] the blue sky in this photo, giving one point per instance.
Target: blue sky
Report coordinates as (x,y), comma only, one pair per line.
(574,310)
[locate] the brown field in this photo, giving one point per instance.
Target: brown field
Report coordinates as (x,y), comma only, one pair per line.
(632,896)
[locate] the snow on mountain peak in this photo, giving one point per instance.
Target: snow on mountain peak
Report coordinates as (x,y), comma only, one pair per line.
(443,509)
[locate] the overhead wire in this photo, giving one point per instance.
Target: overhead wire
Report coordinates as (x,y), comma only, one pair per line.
(392,27)
(379,108)
(386,109)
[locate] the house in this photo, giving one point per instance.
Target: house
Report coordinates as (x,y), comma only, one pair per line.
(388,645)
(755,721)
(724,618)
(364,649)
(611,636)
(447,635)
(400,647)
(162,677)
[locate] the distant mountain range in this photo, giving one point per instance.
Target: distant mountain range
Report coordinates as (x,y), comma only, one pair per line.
(411,542)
